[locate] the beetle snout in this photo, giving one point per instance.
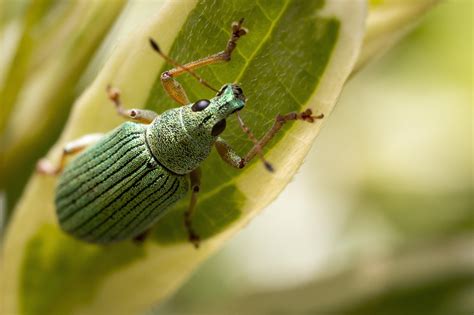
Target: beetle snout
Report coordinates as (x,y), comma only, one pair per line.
(238,93)
(239,107)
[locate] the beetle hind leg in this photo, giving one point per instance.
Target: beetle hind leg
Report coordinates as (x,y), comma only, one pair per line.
(193,237)
(142,237)
(46,167)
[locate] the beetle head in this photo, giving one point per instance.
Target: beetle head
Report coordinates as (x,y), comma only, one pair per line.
(208,117)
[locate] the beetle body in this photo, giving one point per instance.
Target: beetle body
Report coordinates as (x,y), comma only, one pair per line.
(114,191)
(124,183)
(120,186)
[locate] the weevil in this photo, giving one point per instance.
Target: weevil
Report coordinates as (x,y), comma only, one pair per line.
(123,182)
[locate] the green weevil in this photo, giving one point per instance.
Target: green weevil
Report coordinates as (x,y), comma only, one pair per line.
(125,181)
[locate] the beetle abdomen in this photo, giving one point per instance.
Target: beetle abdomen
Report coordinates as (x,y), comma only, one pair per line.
(111,193)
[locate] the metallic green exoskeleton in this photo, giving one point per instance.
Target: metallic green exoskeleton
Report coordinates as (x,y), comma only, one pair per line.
(125,181)
(122,185)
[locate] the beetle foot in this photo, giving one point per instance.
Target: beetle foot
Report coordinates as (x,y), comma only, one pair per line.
(142,237)
(45,167)
(194,239)
(113,94)
(308,116)
(237,32)
(237,29)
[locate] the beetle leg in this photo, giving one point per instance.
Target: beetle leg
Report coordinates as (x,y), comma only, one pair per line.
(46,167)
(195,177)
(138,115)
(142,237)
(231,157)
(175,90)
(227,153)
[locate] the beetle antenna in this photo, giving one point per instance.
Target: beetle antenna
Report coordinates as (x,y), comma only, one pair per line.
(156,48)
(249,133)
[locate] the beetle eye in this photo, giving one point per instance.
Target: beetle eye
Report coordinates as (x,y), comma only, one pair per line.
(218,128)
(200,105)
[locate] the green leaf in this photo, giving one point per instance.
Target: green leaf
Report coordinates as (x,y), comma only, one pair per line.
(38,91)
(389,21)
(297,55)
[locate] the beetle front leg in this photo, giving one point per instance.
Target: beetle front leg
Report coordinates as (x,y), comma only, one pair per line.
(174,89)
(195,177)
(228,154)
(46,167)
(231,157)
(137,115)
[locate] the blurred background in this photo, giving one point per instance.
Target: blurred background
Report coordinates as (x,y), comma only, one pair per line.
(379,219)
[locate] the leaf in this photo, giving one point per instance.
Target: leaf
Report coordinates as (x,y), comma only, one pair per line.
(38,91)
(388,22)
(435,278)
(298,55)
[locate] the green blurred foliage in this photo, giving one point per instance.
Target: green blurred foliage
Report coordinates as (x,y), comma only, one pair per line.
(45,54)
(439,49)
(49,253)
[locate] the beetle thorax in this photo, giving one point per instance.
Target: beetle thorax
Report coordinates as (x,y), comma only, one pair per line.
(182,138)
(173,146)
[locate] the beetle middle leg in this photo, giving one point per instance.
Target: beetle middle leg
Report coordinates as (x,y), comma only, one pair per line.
(142,237)
(231,157)
(46,167)
(137,115)
(195,177)
(174,89)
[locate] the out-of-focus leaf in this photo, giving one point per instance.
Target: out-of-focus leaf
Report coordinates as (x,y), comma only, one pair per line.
(57,42)
(32,25)
(389,21)
(435,279)
(298,55)
(418,215)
